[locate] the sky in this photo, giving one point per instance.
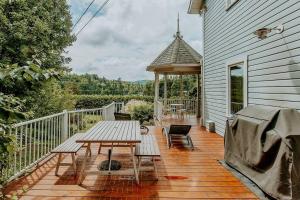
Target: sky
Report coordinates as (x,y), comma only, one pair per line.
(127,35)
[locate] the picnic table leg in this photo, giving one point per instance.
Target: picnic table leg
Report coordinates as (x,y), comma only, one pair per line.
(155,167)
(139,164)
(110,157)
(74,163)
(82,171)
(99,150)
(58,164)
(134,164)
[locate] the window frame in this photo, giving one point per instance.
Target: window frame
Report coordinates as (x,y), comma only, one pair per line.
(231,63)
(232,3)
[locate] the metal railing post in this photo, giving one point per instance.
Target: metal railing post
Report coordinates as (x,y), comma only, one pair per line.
(104,113)
(65,126)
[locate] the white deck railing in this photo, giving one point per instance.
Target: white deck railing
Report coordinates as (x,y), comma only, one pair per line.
(189,104)
(36,138)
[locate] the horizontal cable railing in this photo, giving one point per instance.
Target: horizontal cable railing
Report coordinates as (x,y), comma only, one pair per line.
(36,138)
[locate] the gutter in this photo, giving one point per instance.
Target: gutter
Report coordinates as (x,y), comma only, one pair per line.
(196,6)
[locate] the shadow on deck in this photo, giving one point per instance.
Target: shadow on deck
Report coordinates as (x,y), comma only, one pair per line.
(183,174)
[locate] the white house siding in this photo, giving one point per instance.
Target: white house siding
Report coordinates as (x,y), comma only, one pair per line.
(273,63)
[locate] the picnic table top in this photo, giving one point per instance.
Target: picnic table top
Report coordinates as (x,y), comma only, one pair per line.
(113,132)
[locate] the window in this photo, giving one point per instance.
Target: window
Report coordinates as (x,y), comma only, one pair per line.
(237,94)
(230,3)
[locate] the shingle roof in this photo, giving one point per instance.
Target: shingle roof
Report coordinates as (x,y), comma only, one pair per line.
(178,52)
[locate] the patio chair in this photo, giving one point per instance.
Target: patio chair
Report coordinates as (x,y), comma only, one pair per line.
(122,116)
(178,131)
(182,113)
(167,111)
(126,116)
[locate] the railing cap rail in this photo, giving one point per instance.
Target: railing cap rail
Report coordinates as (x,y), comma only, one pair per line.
(85,110)
(113,103)
(38,119)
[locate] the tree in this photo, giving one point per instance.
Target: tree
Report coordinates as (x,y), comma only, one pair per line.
(33,36)
(34,29)
(51,97)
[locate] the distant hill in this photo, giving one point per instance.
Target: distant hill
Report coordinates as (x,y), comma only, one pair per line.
(141,81)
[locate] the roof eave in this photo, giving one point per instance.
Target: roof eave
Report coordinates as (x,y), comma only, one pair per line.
(196,6)
(168,67)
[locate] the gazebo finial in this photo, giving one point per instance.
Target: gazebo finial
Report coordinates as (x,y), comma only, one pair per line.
(178,24)
(178,27)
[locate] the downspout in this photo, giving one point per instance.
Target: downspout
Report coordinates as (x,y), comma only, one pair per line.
(202,73)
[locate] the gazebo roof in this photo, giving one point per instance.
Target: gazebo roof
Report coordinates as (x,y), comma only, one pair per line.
(178,58)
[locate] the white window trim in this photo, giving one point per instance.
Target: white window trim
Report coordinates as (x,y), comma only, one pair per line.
(227,7)
(230,63)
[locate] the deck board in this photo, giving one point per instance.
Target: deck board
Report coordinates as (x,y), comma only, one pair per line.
(183,174)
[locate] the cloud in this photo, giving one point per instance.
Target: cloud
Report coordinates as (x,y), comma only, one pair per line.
(128,35)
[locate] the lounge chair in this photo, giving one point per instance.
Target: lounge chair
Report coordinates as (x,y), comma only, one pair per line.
(178,131)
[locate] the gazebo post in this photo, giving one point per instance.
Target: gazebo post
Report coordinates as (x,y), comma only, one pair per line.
(198,96)
(156,97)
(181,87)
(165,89)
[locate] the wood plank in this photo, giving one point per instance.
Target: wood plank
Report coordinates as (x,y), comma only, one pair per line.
(70,145)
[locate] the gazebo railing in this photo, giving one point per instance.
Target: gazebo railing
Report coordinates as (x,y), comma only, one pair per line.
(159,110)
(189,104)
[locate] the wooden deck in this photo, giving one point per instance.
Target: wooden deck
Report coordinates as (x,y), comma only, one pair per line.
(184,174)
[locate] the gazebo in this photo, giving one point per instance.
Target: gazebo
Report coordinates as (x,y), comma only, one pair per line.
(179,58)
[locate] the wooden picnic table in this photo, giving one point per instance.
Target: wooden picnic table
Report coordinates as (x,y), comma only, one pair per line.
(115,133)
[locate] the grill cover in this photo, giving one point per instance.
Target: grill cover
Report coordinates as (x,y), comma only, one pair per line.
(264,145)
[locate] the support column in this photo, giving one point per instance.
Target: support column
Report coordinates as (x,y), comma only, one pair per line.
(156,96)
(181,88)
(198,96)
(165,89)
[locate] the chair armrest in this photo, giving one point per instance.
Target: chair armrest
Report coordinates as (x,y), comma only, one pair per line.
(166,130)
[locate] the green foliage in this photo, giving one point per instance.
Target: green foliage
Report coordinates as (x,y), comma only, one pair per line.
(33,35)
(189,86)
(7,147)
(98,101)
(31,75)
(10,110)
(51,98)
(142,112)
(31,29)
(92,84)
(16,80)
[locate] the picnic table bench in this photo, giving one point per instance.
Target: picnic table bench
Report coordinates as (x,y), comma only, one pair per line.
(69,146)
(147,148)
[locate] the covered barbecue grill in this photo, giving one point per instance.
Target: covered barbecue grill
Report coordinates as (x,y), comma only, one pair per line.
(264,145)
